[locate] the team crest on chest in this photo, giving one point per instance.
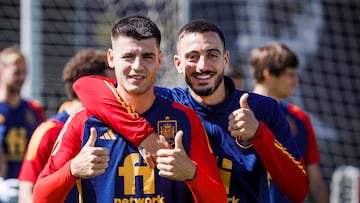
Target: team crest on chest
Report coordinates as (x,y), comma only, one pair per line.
(168,129)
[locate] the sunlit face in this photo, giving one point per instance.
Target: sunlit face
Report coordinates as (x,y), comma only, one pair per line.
(283,86)
(13,75)
(202,59)
(135,62)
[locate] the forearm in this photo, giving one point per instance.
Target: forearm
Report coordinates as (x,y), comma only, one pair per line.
(3,164)
(54,187)
(206,188)
(284,169)
(25,191)
(109,107)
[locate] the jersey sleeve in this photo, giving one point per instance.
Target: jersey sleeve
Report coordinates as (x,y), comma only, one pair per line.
(207,173)
(55,181)
(279,162)
(39,149)
(100,99)
(312,154)
(36,106)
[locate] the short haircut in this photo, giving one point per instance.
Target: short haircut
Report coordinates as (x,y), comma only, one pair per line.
(85,62)
(11,54)
(136,27)
(201,26)
(275,56)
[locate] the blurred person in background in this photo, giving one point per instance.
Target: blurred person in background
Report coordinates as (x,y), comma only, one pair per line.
(274,69)
(18,117)
(85,62)
(236,75)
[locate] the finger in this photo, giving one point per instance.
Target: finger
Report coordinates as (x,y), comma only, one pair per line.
(178,140)
(243,101)
(162,140)
(92,137)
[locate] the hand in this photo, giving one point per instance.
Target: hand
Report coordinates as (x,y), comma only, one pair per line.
(150,145)
(91,161)
(175,164)
(242,122)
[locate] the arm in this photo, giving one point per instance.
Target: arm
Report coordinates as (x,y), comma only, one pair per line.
(278,161)
(318,192)
(198,169)
(318,189)
(282,166)
(109,107)
(56,173)
(3,164)
(61,183)
(133,127)
(207,172)
(37,153)
(68,163)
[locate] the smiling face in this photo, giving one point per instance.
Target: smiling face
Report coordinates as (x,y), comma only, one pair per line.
(202,60)
(136,63)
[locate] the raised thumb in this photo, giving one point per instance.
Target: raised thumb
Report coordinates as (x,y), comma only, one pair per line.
(92,138)
(243,101)
(178,140)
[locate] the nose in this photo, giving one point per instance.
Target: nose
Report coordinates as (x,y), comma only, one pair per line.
(201,64)
(137,64)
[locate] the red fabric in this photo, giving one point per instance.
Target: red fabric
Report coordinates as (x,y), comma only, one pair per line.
(125,116)
(38,109)
(207,173)
(55,181)
(312,155)
(39,149)
(297,186)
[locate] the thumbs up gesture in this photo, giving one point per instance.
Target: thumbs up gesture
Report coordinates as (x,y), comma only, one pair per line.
(91,161)
(242,122)
(175,164)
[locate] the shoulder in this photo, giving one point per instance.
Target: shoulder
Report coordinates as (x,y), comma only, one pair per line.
(297,111)
(35,104)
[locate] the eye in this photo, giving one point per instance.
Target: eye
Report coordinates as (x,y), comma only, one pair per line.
(149,56)
(193,57)
(213,55)
(128,56)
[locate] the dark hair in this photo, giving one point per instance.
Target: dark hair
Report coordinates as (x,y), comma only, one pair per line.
(85,62)
(276,57)
(137,27)
(201,26)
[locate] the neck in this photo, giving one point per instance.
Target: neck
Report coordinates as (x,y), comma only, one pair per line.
(13,99)
(263,90)
(139,102)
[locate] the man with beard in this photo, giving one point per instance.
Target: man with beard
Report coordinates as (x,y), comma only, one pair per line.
(249,134)
(18,117)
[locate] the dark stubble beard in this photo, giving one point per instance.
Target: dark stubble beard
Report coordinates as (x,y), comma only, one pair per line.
(205,91)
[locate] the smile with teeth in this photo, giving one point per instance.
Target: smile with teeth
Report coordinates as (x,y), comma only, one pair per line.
(203,76)
(137,77)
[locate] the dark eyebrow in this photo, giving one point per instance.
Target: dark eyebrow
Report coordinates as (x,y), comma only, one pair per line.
(216,50)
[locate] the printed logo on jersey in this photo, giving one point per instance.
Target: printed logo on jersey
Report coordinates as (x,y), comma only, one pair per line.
(133,167)
(167,128)
(108,135)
